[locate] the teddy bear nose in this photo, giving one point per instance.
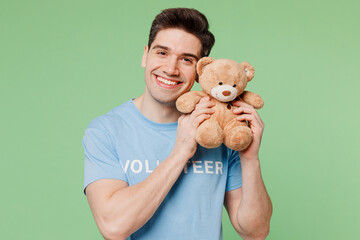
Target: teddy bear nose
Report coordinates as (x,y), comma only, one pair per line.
(226,93)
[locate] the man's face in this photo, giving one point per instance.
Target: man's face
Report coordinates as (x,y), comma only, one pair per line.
(170,64)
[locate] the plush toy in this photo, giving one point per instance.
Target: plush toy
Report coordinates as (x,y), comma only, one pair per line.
(223,80)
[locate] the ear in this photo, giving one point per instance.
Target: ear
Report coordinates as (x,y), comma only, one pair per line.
(143,59)
(249,70)
(202,63)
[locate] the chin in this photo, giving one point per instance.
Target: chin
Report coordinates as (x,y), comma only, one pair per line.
(164,99)
(166,102)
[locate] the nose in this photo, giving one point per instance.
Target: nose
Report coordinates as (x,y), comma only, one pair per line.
(226,93)
(171,67)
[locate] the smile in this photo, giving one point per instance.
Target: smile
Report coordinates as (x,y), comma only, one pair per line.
(166,81)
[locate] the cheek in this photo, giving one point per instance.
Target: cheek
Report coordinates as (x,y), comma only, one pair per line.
(189,71)
(192,75)
(153,63)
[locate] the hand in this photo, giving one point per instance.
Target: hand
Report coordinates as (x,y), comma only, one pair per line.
(188,123)
(248,113)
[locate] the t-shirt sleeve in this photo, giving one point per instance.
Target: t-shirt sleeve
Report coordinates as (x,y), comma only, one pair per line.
(101,160)
(234,179)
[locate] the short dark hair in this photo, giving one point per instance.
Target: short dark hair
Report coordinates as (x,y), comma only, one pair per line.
(187,19)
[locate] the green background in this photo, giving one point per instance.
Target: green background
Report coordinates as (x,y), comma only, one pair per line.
(63,63)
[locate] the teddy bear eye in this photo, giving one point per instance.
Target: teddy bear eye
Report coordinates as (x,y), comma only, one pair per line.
(220,83)
(234,85)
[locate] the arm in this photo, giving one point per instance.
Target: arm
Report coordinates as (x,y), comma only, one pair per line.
(250,207)
(186,102)
(119,209)
(252,99)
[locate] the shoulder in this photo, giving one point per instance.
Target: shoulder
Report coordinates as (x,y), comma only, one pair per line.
(112,119)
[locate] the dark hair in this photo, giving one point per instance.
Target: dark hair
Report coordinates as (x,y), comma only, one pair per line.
(189,20)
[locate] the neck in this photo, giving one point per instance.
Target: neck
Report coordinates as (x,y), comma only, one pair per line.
(156,111)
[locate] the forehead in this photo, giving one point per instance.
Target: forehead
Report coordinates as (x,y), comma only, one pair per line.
(178,41)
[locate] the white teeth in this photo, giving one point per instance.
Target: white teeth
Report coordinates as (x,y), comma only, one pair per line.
(165,81)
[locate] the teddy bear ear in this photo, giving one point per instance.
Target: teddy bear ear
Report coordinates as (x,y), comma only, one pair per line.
(202,63)
(249,70)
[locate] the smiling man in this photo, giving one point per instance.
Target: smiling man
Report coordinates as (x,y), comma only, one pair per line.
(145,175)
(169,67)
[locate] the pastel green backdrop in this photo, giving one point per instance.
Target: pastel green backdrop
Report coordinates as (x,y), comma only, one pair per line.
(63,63)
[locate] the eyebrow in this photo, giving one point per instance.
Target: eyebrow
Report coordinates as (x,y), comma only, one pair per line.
(185,54)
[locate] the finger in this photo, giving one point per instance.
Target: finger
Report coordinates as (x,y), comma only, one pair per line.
(251,120)
(244,109)
(205,103)
(204,99)
(240,103)
(237,102)
(247,110)
(182,116)
(199,119)
(199,111)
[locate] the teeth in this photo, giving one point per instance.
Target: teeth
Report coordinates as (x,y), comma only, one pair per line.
(165,81)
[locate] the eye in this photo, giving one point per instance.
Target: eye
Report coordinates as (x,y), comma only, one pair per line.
(220,83)
(188,60)
(234,85)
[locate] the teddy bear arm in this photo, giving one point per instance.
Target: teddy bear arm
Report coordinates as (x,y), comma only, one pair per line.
(252,99)
(186,102)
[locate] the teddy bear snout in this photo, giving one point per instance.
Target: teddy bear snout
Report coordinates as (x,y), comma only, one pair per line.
(226,93)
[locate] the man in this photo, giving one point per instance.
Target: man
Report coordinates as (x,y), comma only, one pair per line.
(145,176)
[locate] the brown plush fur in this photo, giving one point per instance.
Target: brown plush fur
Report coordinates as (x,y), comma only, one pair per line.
(223,80)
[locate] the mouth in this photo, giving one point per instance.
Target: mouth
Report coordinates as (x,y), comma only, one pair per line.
(167,83)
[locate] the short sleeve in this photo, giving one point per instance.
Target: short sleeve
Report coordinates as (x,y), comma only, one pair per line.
(101,160)
(234,179)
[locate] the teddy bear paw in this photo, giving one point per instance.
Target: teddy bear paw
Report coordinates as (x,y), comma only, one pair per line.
(239,138)
(209,134)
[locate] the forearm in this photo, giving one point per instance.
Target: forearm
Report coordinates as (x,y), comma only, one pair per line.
(129,208)
(255,208)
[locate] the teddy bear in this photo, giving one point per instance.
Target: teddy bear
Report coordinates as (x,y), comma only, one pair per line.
(224,80)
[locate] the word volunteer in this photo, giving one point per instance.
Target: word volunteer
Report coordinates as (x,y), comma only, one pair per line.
(207,167)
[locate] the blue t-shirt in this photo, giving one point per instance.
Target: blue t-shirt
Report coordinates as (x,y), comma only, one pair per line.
(123,144)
